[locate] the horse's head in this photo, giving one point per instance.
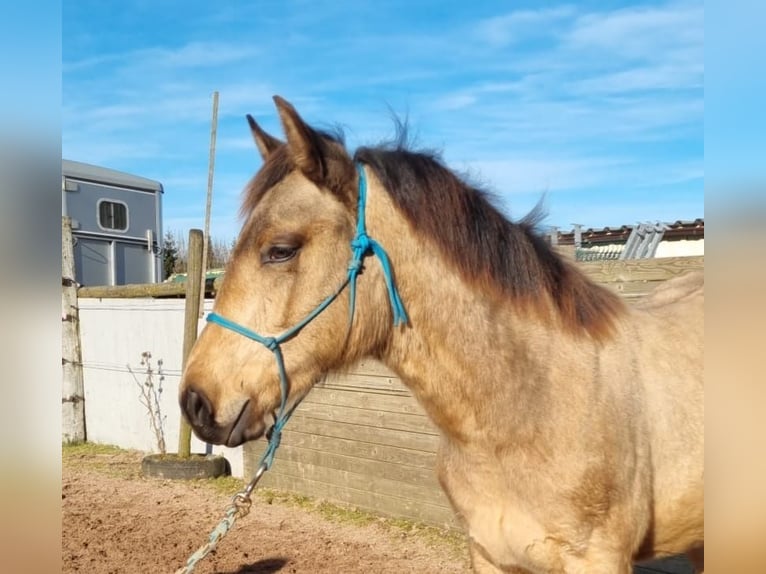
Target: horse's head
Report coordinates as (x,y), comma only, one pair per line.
(292,253)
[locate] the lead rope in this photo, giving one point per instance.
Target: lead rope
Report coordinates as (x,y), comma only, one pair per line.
(362,245)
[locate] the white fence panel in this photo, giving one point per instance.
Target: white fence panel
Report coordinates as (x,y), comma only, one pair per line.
(114,334)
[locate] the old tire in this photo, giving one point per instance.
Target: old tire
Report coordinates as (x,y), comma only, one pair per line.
(175,467)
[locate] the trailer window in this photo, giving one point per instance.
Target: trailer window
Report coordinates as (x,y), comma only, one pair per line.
(113,215)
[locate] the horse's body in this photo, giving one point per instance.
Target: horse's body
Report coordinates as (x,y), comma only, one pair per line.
(572,425)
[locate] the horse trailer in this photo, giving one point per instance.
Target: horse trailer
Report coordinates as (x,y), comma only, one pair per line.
(116,224)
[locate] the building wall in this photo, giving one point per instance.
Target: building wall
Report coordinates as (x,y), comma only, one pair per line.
(82,206)
(110,256)
(681,248)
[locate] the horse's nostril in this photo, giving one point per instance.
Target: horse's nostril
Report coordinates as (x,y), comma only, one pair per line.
(197,407)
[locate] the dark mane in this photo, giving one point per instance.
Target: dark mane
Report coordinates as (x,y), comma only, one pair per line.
(484,246)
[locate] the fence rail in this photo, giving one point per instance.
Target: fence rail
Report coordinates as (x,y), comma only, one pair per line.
(633,278)
(630,278)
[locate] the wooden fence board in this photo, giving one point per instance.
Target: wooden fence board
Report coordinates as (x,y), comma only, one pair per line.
(638,270)
(132,291)
(371,367)
(631,290)
(393,480)
(370,418)
(370,400)
(363,450)
(366,499)
(422,442)
(366,381)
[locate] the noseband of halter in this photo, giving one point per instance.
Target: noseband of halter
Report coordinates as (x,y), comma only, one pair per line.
(362,245)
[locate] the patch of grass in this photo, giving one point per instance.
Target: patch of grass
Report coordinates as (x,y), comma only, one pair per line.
(227,485)
(454,540)
(104,458)
(74,449)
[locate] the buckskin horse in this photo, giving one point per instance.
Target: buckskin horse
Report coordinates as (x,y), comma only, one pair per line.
(571,422)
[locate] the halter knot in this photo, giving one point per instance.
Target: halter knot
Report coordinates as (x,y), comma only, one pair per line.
(361,243)
(270,343)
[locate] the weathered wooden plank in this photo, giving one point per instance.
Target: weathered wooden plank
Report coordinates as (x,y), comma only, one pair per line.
(371,367)
(375,435)
(366,399)
(633,289)
(632,270)
(362,450)
(370,418)
(414,476)
(132,291)
(351,381)
(194,299)
(395,480)
(403,494)
(72,383)
(371,501)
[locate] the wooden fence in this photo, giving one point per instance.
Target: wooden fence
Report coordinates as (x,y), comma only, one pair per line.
(361,438)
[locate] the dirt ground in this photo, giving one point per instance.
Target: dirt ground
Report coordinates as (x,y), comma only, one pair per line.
(115,520)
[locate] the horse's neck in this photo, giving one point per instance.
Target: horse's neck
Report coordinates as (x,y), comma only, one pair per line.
(467,352)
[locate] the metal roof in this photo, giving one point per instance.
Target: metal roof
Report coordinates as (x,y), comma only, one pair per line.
(679,229)
(94,173)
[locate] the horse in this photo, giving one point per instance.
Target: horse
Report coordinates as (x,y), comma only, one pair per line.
(571,423)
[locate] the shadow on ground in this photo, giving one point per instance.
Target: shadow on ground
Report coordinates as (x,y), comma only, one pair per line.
(266,566)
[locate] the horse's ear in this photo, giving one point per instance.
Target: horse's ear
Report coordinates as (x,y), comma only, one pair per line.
(303,143)
(266,143)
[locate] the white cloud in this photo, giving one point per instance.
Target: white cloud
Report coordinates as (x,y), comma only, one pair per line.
(201,54)
(542,174)
(514,27)
(639,32)
(455,101)
(189,55)
(643,78)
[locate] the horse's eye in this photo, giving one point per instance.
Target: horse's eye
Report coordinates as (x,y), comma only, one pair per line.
(279,254)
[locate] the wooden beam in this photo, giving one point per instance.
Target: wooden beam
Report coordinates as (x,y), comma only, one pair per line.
(73,387)
(132,291)
(191,321)
(637,270)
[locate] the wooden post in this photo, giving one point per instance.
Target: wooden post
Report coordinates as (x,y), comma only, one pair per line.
(191,320)
(208,204)
(73,388)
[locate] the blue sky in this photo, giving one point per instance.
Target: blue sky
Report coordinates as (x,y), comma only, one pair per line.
(598,104)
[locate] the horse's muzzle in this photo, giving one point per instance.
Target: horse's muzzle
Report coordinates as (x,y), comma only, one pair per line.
(198,410)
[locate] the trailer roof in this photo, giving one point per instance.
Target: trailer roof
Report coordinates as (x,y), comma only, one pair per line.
(94,173)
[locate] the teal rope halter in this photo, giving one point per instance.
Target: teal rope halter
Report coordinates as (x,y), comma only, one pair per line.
(362,246)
